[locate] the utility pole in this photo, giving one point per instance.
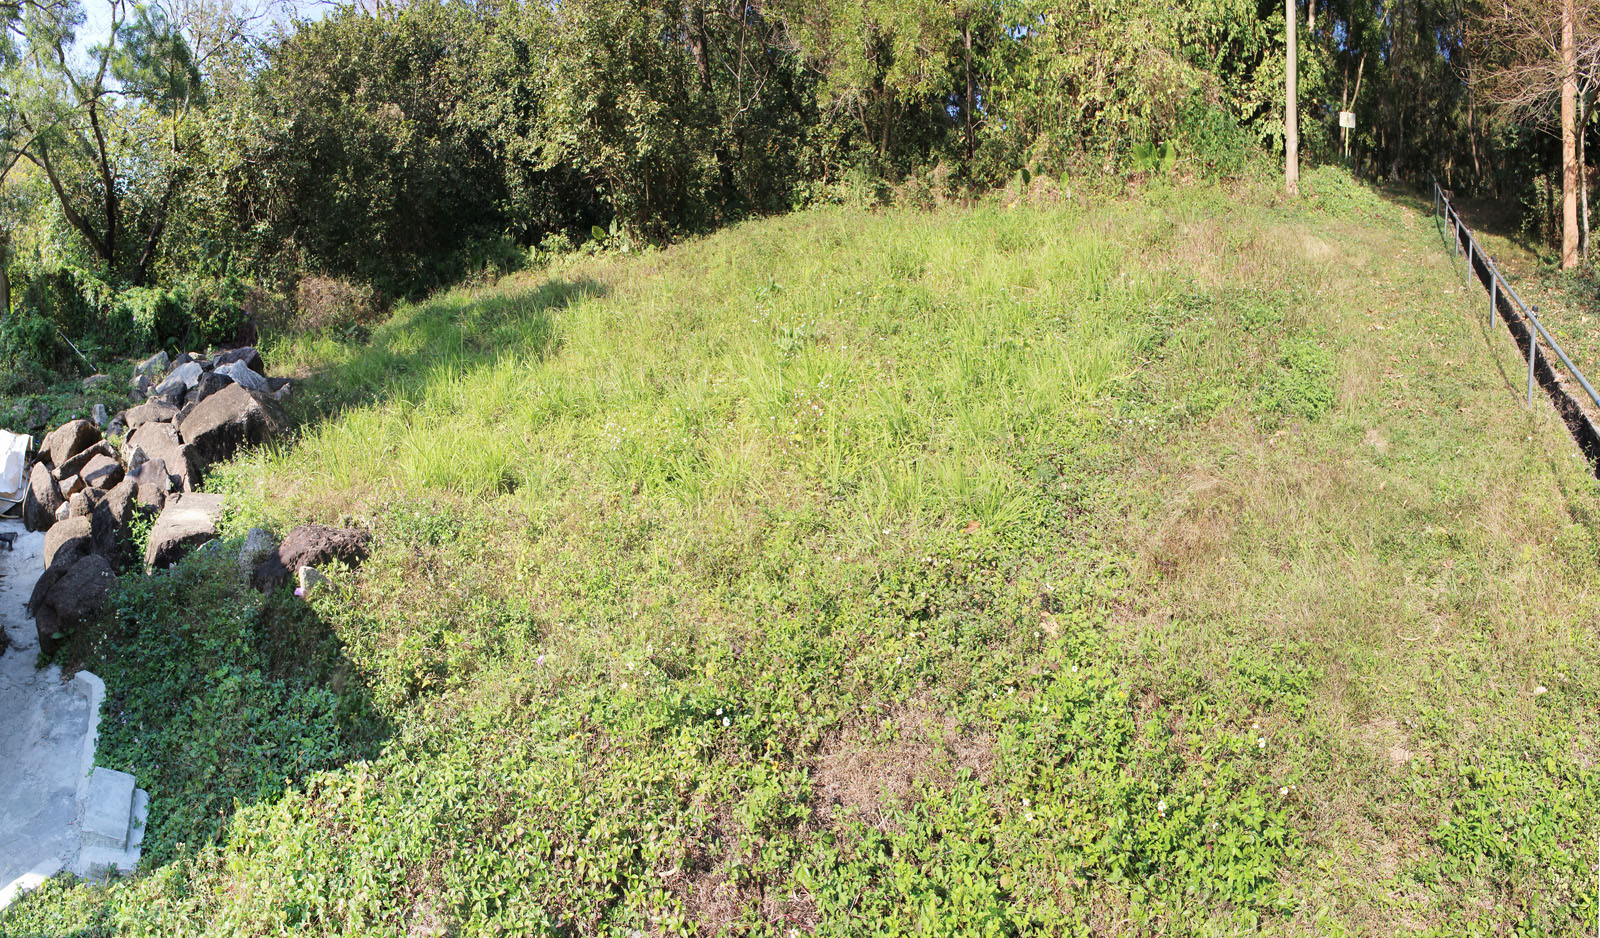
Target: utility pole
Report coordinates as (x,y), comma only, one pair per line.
(1291,109)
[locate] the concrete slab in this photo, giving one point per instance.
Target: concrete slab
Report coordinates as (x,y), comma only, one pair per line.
(42,724)
(108,808)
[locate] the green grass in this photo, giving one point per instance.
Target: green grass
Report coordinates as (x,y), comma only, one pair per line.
(1177,565)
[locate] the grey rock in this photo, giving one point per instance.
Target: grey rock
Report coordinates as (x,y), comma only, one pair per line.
(74,466)
(96,381)
(78,505)
(100,416)
(151,483)
(189,373)
(258,544)
(111,522)
(41,500)
(186,521)
(310,580)
(244,377)
(171,390)
(210,383)
(155,410)
(222,423)
(71,599)
(68,440)
(160,441)
(68,540)
(246,356)
(102,472)
(63,512)
(140,385)
(156,364)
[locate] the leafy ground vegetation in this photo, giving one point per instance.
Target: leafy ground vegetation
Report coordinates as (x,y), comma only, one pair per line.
(1182,564)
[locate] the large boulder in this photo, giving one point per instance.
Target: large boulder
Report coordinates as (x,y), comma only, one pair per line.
(311,545)
(102,472)
(42,499)
(246,356)
(111,521)
(231,418)
(73,597)
(154,410)
(160,441)
(68,440)
(68,540)
(188,520)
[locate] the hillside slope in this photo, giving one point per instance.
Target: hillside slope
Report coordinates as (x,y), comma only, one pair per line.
(1180,565)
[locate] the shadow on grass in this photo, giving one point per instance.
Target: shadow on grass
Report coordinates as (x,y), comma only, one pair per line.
(448,333)
(218,697)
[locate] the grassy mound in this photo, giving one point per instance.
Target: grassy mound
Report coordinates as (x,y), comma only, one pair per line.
(1183,565)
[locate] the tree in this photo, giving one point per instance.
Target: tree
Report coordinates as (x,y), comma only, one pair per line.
(96,129)
(1291,107)
(1543,69)
(1569,138)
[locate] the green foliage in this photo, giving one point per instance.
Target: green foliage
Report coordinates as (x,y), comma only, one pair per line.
(1154,158)
(27,347)
(1302,384)
(217,696)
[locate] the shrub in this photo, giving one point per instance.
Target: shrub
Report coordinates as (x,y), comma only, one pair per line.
(157,314)
(27,346)
(332,303)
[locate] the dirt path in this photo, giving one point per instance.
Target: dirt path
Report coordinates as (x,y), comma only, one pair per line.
(42,725)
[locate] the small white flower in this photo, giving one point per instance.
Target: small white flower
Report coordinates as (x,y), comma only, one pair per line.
(726,721)
(1540,690)
(1026,802)
(1161,806)
(719,711)
(1283,791)
(1261,742)
(1255,726)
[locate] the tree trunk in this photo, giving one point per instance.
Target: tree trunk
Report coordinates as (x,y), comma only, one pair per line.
(1583,177)
(5,275)
(972,96)
(1569,140)
(1291,109)
(699,47)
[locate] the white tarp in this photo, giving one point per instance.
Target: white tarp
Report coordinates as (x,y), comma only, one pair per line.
(13,470)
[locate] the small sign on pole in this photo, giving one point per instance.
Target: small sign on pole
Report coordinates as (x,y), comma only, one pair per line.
(1347,119)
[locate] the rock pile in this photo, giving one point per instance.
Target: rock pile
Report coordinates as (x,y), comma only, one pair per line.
(84,490)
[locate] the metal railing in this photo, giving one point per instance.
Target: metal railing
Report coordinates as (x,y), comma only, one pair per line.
(1462,236)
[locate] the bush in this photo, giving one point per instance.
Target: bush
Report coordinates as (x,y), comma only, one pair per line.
(333,303)
(156,314)
(1214,142)
(27,346)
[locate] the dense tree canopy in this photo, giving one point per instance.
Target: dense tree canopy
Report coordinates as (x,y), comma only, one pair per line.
(214,158)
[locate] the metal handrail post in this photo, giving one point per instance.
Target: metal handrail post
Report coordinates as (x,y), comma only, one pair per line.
(1494,295)
(1533,349)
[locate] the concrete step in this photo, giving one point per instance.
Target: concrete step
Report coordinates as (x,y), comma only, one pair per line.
(114,817)
(98,863)
(108,809)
